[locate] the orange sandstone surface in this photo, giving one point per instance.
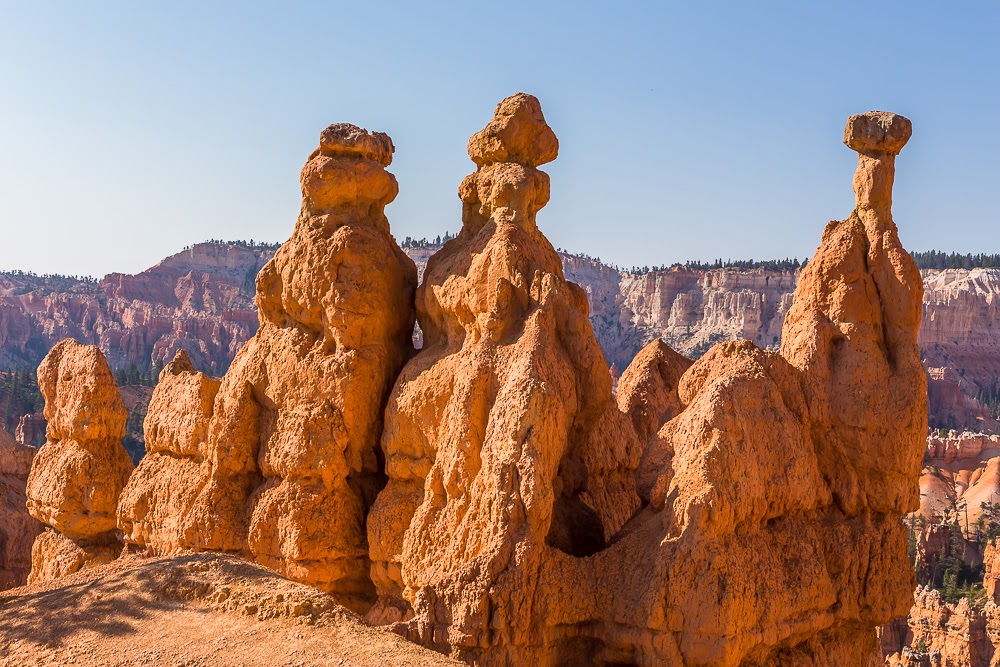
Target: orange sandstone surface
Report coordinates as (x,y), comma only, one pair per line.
(278,462)
(490,496)
(760,524)
(79,472)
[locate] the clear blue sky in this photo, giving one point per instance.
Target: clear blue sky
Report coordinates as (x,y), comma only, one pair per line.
(688,130)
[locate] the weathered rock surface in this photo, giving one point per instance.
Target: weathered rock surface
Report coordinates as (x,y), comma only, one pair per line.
(689,309)
(959,341)
(770,475)
(77,476)
(278,462)
(31,430)
(961,473)
(155,507)
(18,529)
(939,634)
(200,300)
(504,445)
(960,468)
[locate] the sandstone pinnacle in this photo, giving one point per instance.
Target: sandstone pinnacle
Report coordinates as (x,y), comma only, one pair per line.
(78,474)
(278,462)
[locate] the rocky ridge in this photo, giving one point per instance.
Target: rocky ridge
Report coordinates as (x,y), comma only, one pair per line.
(199,300)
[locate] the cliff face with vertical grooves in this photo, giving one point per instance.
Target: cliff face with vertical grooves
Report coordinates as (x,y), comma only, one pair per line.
(278,462)
(201,300)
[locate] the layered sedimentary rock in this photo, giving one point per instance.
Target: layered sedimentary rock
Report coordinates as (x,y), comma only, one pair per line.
(18,529)
(31,430)
(503,442)
(959,485)
(78,474)
(961,470)
(282,454)
(941,634)
(764,523)
(200,299)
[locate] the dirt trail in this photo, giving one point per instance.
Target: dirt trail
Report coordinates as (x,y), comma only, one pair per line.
(203,610)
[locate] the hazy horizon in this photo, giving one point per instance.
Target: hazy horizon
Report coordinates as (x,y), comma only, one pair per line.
(686,132)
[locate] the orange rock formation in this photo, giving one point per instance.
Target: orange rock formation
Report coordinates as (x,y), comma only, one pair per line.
(279,462)
(17,528)
(503,441)
(524,524)
(155,507)
(78,474)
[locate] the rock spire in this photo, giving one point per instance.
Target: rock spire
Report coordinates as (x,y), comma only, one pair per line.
(285,447)
(79,472)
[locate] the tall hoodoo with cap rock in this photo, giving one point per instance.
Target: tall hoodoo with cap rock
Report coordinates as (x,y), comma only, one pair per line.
(504,445)
(287,458)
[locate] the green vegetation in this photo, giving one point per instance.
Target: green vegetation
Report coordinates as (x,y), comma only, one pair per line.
(132,375)
(249,245)
(935,259)
(48,283)
(990,397)
(949,573)
(19,395)
(438,241)
(134,442)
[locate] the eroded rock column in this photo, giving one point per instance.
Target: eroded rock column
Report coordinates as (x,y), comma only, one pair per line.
(154,512)
(79,472)
(773,532)
(285,448)
(504,446)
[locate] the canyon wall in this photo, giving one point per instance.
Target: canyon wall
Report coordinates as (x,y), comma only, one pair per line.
(201,300)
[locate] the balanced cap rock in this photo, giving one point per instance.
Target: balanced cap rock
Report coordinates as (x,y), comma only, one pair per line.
(284,448)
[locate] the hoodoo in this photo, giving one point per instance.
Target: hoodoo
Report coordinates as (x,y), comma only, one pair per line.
(504,445)
(284,449)
(523,522)
(490,493)
(154,511)
(81,469)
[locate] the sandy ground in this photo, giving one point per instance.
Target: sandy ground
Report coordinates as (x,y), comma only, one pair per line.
(203,610)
